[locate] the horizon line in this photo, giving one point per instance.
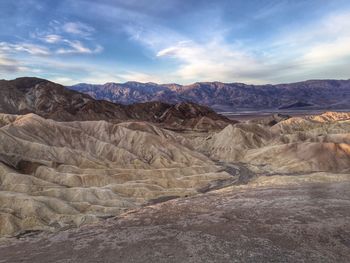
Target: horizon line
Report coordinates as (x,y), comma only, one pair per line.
(182,85)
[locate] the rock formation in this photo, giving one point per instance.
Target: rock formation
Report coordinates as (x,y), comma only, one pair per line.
(60,174)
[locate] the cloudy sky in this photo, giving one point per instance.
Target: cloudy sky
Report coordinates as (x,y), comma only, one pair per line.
(183,41)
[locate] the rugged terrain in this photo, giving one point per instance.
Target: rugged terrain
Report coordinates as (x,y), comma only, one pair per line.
(311,94)
(53,101)
(60,174)
(57,174)
(302,222)
(134,185)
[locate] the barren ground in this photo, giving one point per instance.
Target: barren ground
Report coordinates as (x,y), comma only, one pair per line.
(300,223)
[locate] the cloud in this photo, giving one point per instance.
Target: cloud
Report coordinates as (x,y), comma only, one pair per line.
(67,47)
(214,60)
(69,72)
(57,39)
(329,41)
(270,9)
(153,36)
(76,47)
(52,38)
(175,51)
(32,49)
(329,51)
(8,65)
(139,76)
(179,43)
(303,53)
(62,80)
(78,28)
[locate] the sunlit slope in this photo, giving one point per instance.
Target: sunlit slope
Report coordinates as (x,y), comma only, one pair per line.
(56,174)
(299,144)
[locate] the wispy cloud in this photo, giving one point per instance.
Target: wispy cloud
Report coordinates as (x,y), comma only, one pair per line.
(70,72)
(270,9)
(32,49)
(139,76)
(328,41)
(62,80)
(78,28)
(322,44)
(52,38)
(215,59)
(47,53)
(77,47)
(177,41)
(329,51)
(55,40)
(66,47)
(9,65)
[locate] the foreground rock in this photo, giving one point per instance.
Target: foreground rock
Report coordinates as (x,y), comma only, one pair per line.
(299,220)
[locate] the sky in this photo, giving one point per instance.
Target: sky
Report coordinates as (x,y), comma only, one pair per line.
(175,41)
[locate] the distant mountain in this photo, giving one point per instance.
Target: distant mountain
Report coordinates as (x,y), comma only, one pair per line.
(298,104)
(322,94)
(54,101)
(129,92)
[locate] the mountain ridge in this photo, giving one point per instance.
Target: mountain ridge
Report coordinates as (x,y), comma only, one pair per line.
(54,101)
(318,93)
(202,82)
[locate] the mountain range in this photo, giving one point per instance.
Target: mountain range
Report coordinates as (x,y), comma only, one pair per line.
(54,101)
(311,94)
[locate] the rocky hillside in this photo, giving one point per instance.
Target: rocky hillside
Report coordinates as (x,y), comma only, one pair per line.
(59,174)
(54,101)
(323,94)
(55,175)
